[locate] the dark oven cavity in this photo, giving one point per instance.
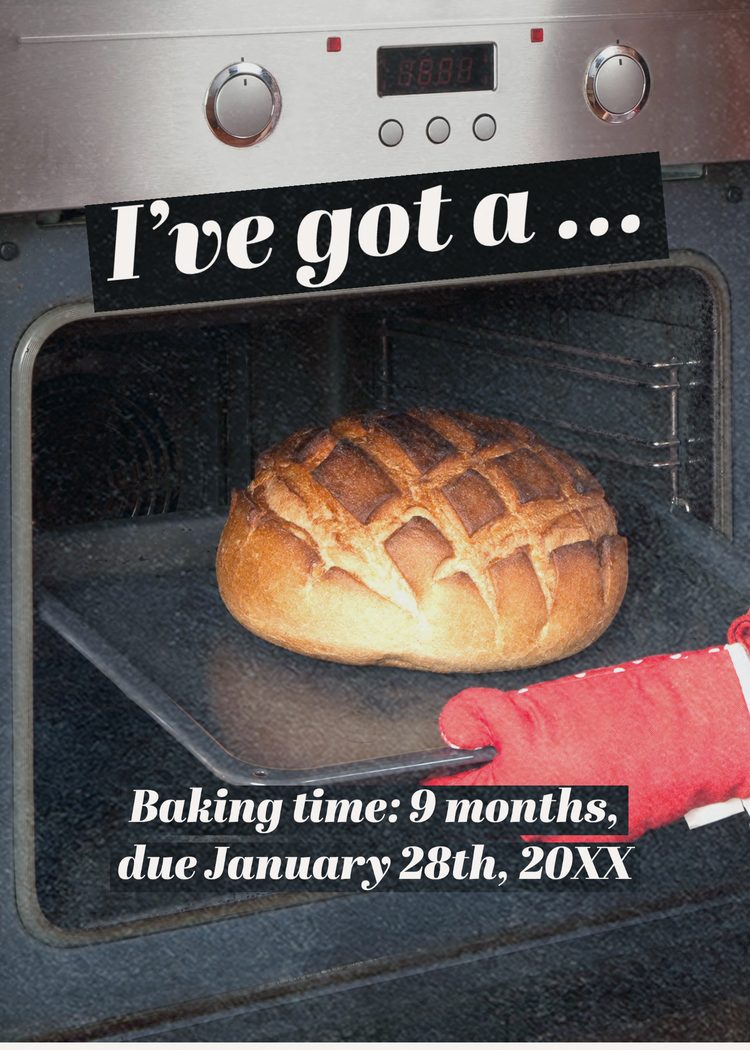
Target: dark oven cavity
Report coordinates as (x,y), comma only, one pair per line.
(141,427)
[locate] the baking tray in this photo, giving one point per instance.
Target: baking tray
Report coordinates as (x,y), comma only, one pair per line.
(139,599)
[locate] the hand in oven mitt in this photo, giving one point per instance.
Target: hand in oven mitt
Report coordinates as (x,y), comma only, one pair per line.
(675,729)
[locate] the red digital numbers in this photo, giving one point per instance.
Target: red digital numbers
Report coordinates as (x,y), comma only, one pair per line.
(425,72)
(435,68)
(443,75)
(464,69)
(405,70)
(445,69)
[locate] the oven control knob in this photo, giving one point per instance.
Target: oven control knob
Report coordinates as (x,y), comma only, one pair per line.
(617,84)
(243,104)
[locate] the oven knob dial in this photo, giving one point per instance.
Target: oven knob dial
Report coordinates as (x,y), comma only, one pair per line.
(617,84)
(243,104)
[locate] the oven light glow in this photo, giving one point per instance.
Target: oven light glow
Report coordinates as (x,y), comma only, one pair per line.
(333,43)
(537,36)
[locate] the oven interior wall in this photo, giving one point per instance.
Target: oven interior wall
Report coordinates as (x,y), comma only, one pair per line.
(621,369)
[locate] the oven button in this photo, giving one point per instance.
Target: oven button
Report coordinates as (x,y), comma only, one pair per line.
(438,129)
(485,127)
(391,133)
(243,104)
(617,84)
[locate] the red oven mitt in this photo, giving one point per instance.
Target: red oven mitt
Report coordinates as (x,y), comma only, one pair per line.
(675,729)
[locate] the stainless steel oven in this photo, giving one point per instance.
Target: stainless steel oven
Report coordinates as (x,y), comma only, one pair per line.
(123,434)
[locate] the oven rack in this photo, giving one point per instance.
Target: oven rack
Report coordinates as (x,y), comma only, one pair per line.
(662,389)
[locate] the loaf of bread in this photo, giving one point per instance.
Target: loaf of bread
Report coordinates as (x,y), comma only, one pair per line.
(429,539)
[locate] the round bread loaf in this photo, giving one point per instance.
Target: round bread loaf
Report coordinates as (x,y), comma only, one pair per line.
(437,540)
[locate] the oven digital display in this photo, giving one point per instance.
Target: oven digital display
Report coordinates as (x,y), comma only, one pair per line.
(436,68)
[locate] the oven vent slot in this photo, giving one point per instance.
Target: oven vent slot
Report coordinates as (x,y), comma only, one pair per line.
(129,424)
(633,398)
(126,464)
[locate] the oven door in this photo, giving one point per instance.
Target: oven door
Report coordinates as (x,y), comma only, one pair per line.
(125,437)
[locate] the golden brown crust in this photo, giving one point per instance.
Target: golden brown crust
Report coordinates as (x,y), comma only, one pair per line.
(430,539)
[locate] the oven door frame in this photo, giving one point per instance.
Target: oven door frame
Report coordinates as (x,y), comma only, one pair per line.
(91,987)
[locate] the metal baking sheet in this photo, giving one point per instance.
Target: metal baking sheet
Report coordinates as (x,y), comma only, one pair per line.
(139,599)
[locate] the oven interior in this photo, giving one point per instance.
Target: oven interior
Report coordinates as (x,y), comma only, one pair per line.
(142,426)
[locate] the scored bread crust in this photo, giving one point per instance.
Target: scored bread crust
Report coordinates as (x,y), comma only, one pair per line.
(431,539)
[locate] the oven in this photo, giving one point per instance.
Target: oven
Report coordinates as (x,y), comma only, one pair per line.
(124,433)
